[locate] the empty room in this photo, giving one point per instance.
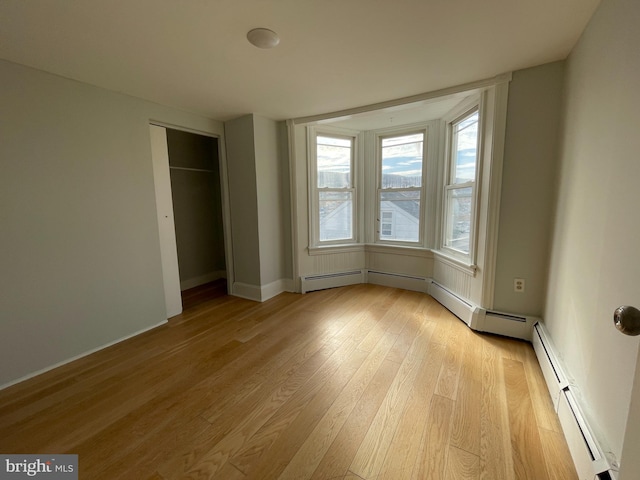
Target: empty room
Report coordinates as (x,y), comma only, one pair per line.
(359,240)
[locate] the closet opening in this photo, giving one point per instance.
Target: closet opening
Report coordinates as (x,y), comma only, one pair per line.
(196,194)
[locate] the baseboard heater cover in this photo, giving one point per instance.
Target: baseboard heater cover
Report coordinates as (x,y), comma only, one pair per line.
(457,305)
(587,450)
(480,319)
(507,324)
(330,280)
(549,363)
(397,280)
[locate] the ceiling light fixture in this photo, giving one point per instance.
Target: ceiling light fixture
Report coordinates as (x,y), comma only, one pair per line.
(263,38)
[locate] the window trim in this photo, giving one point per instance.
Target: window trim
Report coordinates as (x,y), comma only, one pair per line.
(457,115)
(375,227)
(313,132)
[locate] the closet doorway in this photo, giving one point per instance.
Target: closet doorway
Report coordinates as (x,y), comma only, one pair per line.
(189,198)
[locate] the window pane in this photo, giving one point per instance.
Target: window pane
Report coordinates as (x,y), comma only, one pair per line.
(459,218)
(334,141)
(402,161)
(386,224)
(400,216)
(334,162)
(465,149)
(336,211)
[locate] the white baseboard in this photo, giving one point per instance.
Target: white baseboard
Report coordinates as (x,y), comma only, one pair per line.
(272,289)
(261,293)
(590,457)
(480,319)
(245,290)
(507,324)
(311,283)
(202,279)
(331,280)
(461,308)
(549,364)
(77,357)
(406,282)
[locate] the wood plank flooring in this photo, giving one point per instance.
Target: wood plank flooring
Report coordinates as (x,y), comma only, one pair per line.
(361,383)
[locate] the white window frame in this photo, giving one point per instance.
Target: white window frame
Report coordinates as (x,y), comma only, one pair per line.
(380,135)
(456,116)
(314,191)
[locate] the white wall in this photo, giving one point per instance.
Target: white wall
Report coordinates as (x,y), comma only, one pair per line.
(528,185)
(595,263)
(79,248)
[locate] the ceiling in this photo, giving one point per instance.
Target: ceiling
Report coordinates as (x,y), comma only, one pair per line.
(333,54)
(398,115)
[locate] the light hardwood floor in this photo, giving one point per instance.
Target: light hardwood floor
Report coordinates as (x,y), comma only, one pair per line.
(361,382)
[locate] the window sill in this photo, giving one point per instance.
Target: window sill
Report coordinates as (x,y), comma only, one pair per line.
(456,263)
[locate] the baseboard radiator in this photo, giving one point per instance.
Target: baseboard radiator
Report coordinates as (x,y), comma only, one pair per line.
(397,280)
(592,460)
(314,282)
(480,319)
(457,305)
(331,280)
(507,324)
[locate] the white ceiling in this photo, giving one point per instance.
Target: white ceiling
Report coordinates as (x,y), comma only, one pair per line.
(398,115)
(333,54)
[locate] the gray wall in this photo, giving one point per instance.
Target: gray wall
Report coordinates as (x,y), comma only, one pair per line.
(528,187)
(243,200)
(595,263)
(285,200)
(197,205)
(274,214)
(259,192)
(79,245)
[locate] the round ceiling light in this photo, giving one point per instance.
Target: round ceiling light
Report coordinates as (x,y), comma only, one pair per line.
(263,38)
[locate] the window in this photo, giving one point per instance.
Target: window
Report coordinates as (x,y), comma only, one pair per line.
(334,192)
(400,188)
(460,185)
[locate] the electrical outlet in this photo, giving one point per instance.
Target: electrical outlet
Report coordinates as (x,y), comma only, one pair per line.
(518,285)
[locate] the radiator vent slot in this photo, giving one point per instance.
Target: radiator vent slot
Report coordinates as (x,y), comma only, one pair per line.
(331,275)
(541,341)
(507,316)
(589,442)
(398,275)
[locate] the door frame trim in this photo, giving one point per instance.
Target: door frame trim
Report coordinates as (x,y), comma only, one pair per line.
(224,186)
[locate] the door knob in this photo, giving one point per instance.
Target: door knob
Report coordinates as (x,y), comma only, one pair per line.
(627,320)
